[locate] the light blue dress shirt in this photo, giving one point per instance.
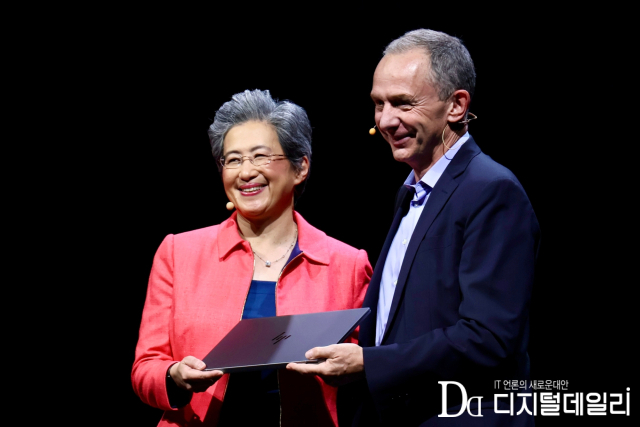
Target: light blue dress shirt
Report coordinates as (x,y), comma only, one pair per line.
(392,264)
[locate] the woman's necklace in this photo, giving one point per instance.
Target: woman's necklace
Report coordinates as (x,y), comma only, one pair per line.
(268,263)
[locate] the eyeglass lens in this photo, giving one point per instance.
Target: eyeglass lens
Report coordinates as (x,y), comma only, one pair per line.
(236,161)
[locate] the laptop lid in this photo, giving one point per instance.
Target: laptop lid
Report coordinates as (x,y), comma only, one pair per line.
(273,342)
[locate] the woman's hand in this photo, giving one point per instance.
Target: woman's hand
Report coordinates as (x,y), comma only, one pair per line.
(189,374)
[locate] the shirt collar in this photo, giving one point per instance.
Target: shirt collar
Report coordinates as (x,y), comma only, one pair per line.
(435,172)
(312,243)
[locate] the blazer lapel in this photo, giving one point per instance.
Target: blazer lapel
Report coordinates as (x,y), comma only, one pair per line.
(368,326)
(440,194)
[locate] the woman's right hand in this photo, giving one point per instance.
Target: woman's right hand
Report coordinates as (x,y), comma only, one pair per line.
(189,374)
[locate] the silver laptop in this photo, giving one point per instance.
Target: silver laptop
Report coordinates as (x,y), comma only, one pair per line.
(273,342)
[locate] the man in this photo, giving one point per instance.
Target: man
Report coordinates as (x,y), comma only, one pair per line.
(450,293)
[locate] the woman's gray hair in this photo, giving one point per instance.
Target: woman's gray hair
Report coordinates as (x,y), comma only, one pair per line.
(289,120)
(451,64)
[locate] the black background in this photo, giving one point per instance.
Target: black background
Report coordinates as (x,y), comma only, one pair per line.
(146,85)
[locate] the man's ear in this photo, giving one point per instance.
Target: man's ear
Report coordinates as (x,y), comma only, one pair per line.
(304,171)
(460,100)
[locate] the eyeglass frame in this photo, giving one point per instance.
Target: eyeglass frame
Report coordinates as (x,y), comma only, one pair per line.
(251,159)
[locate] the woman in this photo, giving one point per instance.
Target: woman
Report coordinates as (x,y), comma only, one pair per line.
(264,260)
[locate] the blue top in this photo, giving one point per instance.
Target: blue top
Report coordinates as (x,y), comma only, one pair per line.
(261,301)
(253,398)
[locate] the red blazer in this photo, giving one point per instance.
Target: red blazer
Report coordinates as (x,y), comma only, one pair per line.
(197,289)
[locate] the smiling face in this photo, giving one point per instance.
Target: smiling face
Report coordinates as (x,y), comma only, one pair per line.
(408,112)
(259,192)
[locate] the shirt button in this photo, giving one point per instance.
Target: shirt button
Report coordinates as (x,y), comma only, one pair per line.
(395,282)
(404,242)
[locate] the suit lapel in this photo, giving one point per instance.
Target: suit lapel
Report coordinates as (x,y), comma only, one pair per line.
(368,326)
(438,198)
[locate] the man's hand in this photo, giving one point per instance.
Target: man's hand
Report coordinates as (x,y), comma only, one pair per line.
(343,364)
(190,375)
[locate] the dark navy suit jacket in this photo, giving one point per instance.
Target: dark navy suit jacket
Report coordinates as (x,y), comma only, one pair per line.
(460,311)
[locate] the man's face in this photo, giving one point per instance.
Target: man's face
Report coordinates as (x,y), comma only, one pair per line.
(408,113)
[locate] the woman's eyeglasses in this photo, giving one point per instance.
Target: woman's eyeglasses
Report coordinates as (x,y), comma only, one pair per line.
(234,162)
